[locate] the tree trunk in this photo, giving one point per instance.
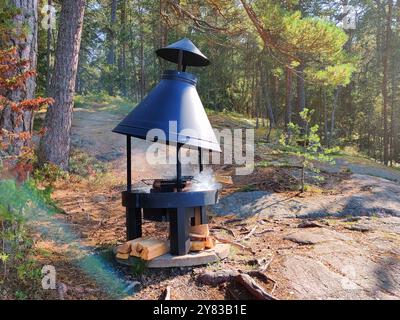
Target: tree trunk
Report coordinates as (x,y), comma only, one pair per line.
(55,144)
(141,55)
(334,106)
(266,98)
(122,64)
(111,44)
(385,58)
(48,56)
(324,102)
(288,97)
(25,40)
(395,101)
(111,34)
(301,94)
(163,36)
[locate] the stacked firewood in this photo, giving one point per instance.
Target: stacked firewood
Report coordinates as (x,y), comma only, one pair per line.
(200,238)
(150,248)
(144,248)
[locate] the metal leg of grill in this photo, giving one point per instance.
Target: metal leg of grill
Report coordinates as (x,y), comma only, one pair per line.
(179,232)
(133,223)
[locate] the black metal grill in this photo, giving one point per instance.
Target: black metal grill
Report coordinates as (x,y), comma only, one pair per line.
(174,99)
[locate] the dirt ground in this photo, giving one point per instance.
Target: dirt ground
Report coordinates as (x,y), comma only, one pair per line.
(338,241)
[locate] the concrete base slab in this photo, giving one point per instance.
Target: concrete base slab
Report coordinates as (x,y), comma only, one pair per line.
(219,252)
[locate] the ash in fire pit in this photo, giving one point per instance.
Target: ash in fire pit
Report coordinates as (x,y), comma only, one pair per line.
(180,200)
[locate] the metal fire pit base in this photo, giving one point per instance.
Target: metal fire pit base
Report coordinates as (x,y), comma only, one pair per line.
(179,207)
(218,253)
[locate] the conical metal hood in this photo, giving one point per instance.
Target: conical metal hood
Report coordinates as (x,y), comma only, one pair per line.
(191,55)
(173,100)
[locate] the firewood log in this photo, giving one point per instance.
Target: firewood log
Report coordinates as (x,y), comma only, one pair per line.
(197,245)
(151,248)
(123,256)
(197,237)
(201,229)
(209,243)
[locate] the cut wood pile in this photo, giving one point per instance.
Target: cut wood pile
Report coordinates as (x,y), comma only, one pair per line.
(150,248)
(200,238)
(144,248)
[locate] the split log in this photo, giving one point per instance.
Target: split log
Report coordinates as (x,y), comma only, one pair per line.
(209,243)
(201,229)
(197,245)
(124,248)
(199,242)
(197,237)
(123,256)
(134,251)
(151,248)
(253,288)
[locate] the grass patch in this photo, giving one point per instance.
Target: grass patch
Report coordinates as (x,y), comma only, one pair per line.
(83,165)
(103,102)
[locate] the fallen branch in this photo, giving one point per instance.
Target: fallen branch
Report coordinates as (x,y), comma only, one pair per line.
(253,288)
(232,292)
(251,232)
(263,231)
(263,277)
(224,228)
(236,244)
(215,278)
(233,220)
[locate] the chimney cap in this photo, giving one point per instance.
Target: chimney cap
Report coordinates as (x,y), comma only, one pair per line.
(192,56)
(174,107)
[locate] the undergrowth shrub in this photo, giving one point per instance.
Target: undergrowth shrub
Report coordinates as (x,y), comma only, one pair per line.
(20,203)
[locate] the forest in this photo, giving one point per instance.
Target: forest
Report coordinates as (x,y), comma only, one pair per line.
(269,61)
(317,80)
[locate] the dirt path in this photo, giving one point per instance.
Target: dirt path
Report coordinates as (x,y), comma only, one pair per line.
(353,252)
(366,167)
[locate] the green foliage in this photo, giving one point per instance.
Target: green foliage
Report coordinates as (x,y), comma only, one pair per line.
(101,101)
(7,13)
(48,174)
(334,76)
(305,143)
(84,165)
(19,204)
(20,295)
